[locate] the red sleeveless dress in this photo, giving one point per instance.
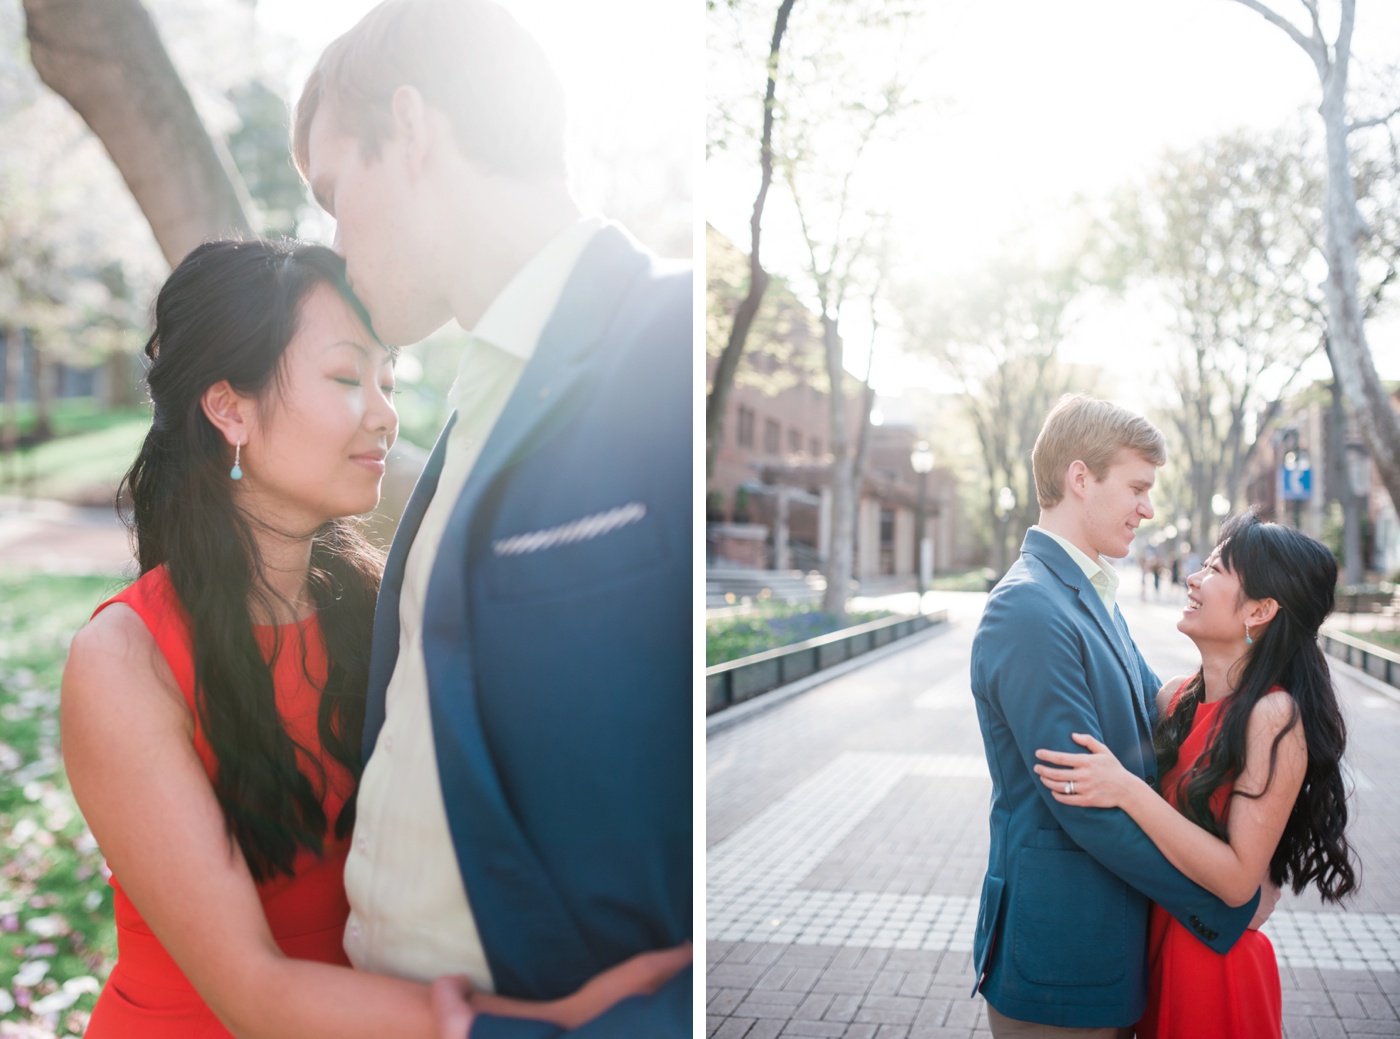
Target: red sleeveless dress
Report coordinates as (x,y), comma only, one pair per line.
(1194,992)
(147,995)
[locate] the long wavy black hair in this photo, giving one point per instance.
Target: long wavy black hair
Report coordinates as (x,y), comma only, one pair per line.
(228,311)
(1300,574)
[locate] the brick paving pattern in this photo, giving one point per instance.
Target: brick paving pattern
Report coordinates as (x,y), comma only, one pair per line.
(848,837)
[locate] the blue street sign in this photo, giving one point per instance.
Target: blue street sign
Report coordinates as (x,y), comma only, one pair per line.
(1297,483)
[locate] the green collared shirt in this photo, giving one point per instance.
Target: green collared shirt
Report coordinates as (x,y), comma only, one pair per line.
(1102,575)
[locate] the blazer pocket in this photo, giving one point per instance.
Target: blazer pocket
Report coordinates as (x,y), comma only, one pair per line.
(589,552)
(1066,926)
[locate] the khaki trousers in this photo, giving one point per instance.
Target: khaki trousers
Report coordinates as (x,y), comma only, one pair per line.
(1004,1027)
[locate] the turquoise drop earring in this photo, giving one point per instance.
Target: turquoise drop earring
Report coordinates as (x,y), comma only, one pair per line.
(1248,641)
(236,473)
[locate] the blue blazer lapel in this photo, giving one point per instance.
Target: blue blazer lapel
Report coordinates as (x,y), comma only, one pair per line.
(384,648)
(494,853)
(1044,548)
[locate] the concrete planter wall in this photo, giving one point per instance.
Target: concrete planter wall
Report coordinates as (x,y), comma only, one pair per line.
(1376,662)
(739,680)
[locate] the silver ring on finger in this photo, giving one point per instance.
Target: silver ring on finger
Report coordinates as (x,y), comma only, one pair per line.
(1069,788)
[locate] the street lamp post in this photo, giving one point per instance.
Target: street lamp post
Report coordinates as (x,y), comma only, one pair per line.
(921,459)
(1006,505)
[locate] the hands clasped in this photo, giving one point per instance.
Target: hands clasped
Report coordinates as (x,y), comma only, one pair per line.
(1093,780)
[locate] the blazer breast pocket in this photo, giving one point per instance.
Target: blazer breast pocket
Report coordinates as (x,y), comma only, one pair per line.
(1066,926)
(591,551)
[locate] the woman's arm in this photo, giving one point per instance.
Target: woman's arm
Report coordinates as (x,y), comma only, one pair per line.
(1232,870)
(129,752)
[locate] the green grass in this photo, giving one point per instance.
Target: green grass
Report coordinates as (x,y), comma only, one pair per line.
(1384,639)
(57,938)
(83,467)
(961,581)
(770,626)
(73,415)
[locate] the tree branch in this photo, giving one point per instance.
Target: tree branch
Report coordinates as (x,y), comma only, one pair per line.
(1380,120)
(1310,45)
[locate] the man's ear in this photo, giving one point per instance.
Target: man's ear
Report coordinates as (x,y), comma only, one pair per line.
(412,125)
(1077,478)
(228,411)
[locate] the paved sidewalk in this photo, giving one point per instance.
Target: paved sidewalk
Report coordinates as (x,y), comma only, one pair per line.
(53,537)
(848,837)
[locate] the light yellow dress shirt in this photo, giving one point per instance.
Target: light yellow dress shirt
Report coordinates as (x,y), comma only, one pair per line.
(410,915)
(1103,575)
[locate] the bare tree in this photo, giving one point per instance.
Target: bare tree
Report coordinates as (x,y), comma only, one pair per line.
(718,397)
(1221,235)
(107,60)
(851,84)
(1345,228)
(997,333)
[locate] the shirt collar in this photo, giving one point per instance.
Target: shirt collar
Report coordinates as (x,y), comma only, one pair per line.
(1102,574)
(515,318)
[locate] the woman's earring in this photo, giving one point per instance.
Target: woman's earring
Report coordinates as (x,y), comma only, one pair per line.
(236,473)
(1247,640)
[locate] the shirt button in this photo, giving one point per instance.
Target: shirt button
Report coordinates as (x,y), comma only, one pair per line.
(362,845)
(389,742)
(354,932)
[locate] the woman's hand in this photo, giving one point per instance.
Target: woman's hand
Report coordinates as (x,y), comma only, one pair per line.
(452,1009)
(642,975)
(1093,780)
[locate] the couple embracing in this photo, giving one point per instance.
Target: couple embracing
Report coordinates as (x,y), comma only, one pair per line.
(448,793)
(1140,830)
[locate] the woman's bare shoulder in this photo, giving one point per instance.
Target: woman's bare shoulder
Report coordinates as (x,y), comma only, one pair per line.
(115,650)
(1168,690)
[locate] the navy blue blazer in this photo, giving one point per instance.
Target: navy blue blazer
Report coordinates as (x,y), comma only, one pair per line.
(558,646)
(1062,929)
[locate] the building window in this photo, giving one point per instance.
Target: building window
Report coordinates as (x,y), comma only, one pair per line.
(772,437)
(795,441)
(745,427)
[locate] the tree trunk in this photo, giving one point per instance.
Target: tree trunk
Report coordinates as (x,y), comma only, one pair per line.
(107,60)
(13,342)
(1339,477)
(718,399)
(840,560)
(43,395)
(1351,356)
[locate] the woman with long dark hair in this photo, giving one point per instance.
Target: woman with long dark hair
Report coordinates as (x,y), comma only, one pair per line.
(212,711)
(1249,749)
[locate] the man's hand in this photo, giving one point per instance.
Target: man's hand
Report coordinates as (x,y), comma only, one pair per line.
(452,1008)
(1269,894)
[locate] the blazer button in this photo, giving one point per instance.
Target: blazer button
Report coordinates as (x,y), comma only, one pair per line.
(1151,780)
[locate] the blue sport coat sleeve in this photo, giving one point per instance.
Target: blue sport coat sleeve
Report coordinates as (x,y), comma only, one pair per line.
(1042,696)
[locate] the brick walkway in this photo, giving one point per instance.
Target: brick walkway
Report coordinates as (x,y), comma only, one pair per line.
(847,840)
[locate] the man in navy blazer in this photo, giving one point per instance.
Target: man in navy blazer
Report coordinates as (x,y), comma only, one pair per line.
(524,817)
(1061,935)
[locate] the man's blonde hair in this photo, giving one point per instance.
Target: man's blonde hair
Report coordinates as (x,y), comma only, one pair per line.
(1080,428)
(468,58)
